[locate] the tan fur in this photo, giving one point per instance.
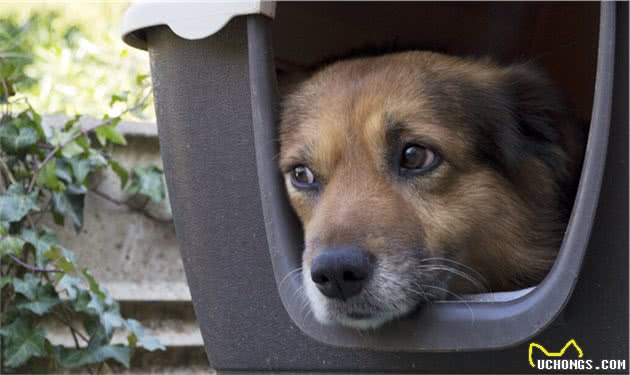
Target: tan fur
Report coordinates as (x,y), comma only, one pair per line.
(336,123)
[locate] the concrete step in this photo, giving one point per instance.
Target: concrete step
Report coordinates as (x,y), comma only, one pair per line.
(172,323)
(171,291)
(181,360)
(176,361)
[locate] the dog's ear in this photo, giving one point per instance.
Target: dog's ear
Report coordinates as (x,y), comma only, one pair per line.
(538,118)
(529,135)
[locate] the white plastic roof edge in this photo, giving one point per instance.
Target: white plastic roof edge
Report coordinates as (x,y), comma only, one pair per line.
(189,20)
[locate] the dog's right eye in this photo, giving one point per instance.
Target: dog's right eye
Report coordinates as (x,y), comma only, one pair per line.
(416,160)
(303,178)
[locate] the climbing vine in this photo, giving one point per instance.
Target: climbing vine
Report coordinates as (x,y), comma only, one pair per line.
(46,173)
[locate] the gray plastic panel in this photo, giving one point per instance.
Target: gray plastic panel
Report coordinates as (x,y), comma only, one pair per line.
(215,102)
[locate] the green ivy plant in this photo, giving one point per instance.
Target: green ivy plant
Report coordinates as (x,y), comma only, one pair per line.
(49,171)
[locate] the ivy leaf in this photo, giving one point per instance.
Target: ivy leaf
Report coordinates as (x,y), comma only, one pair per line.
(94,285)
(65,203)
(70,123)
(64,170)
(98,348)
(48,176)
(58,218)
(15,140)
(138,336)
(71,285)
(6,92)
(108,313)
(4,280)
(27,286)
(32,119)
(11,245)
(111,319)
(123,174)
(7,70)
(76,189)
(84,142)
(83,166)
(39,298)
(22,342)
(82,301)
(119,98)
(15,203)
(96,304)
(72,149)
(96,159)
(44,299)
(73,358)
(149,182)
(102,305)
(96,332)
(140,78)
(26,137)
(61,258)
(80,169)
(57,136)
(41,241)
(109,133)
(132,340)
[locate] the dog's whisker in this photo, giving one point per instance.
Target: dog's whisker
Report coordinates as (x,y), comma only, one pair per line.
(290,274)
(297,292)
(305,304)
(423,292)
(309,312)
(460,273)
(477,273)
(472,313)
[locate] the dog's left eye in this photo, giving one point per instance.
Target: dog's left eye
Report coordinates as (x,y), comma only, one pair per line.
(303,178)
(416,159)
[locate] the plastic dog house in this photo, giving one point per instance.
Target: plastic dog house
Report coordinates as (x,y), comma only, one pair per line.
(214,77)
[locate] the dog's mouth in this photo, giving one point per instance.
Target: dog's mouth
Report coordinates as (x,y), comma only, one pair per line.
(361,319)
(371,320)
(388,296)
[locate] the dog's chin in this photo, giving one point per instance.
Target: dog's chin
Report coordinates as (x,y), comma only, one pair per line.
(330,312)
(361,321)
(354,320)
(366,323)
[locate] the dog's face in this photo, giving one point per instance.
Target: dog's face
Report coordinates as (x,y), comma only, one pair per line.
(419,176)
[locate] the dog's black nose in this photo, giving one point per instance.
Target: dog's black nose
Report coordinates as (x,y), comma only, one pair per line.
(341,273)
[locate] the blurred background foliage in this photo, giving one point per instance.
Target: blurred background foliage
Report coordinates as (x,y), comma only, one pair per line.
(74,53)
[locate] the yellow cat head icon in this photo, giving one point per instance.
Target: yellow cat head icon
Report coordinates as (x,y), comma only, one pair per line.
(553,354)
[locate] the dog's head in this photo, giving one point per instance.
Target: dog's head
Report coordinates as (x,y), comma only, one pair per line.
(418,176)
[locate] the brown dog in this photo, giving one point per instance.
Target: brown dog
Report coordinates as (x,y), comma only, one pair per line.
(419,176)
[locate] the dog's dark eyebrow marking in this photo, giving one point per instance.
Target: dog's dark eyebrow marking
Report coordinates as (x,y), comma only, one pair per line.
(396,131)
(393,137)
(393,131)
(299,156)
